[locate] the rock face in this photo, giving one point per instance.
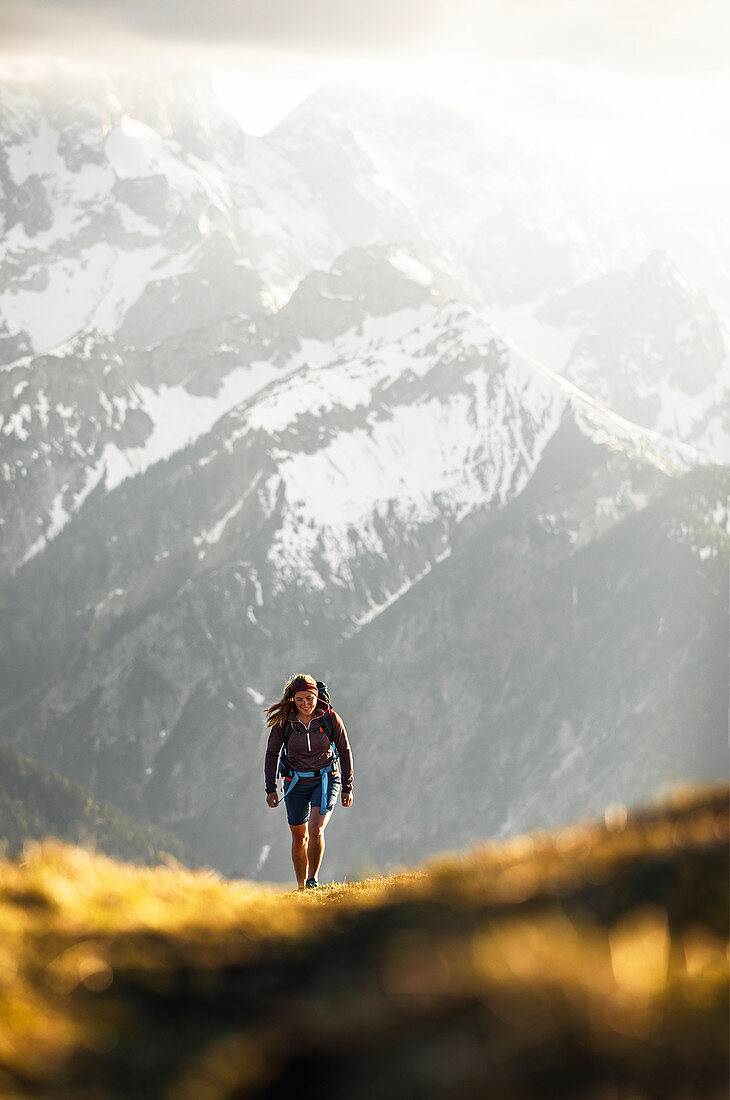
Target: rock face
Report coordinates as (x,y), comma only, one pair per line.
(652,350)
(515,578)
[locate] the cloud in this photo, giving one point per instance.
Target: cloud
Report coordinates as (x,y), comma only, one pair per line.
(640,36)
(301,24)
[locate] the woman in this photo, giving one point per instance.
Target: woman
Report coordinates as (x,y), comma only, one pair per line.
(300,722)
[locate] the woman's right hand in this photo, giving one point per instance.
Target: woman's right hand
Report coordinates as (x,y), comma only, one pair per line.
(272,799)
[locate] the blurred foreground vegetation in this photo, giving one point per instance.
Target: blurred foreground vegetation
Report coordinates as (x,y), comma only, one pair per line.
(587,963)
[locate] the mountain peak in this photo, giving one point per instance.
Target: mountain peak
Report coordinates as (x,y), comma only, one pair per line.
(351,104)
(372,281)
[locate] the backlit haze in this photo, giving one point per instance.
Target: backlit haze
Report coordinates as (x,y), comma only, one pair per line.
(637,93)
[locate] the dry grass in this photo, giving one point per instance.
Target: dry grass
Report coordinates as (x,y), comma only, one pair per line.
(591,962)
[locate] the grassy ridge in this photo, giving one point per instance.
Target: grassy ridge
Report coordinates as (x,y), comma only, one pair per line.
(588,963)
(36,802)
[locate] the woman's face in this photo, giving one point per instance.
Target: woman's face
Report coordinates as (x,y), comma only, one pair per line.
(305,702)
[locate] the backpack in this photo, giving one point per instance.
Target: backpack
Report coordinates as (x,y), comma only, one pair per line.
(285,769)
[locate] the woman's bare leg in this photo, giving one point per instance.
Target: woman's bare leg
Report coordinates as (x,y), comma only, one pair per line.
(315,847)
(299,852)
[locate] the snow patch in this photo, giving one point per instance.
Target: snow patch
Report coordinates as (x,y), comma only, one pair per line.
(136,151)
(37,157)
(263,856)
(440,457)
(413,269)
(341,373)
(179,418)
(16,421)
(60,515)
(213,534)
(378,609)
(721,517)
(518,326)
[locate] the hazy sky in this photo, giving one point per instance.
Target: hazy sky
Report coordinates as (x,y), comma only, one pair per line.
(271,53)
(639,88)
(638,36)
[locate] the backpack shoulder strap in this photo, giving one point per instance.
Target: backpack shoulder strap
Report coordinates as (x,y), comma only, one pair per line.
(327,723)
(286,733)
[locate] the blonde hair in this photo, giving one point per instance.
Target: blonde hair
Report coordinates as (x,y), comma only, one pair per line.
(278,713)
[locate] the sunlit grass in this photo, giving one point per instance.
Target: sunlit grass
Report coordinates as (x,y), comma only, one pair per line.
(602,947)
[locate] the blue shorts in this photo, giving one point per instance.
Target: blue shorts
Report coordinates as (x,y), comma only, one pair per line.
(307,793)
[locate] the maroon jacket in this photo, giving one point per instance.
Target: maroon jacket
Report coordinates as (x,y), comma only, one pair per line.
(309,749)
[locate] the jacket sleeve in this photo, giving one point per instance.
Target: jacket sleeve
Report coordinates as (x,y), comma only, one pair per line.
(339,736)
(276,740)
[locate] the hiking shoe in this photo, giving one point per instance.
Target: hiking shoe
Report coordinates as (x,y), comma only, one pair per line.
(312,884)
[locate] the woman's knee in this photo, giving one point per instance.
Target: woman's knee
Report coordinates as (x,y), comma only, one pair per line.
(317,825)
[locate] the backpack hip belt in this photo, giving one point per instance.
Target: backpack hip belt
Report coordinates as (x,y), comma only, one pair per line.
(324,773)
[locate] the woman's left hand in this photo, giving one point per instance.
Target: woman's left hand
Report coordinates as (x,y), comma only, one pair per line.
(347,798)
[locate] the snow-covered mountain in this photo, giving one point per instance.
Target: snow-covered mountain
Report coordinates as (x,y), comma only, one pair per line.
(370,396)
(303,516)
(652,349)
(140,209)
(107,188)
(96,410)
(111,188)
